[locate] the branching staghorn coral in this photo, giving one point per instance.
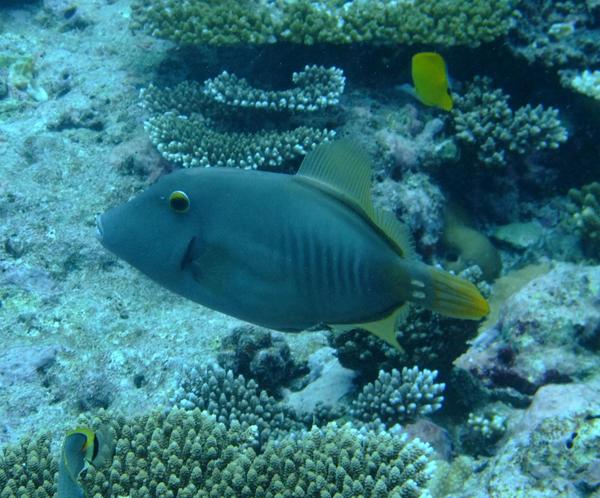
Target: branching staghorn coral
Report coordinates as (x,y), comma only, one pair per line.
(230,22)
(315,87)
(190,22)
(326,462)
(192,142)
(485,122)
(188,454)
(587,82)
(190,123)
(489,426)
(261,355)
(399,397)
(28,469)
(235,402)
(388,22)
(162,454)
(185,99)
(483,430)
(585,212)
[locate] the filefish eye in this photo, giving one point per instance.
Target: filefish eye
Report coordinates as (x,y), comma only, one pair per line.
(179,201)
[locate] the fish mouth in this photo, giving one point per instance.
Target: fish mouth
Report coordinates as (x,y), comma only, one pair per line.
(189,255)
(99,228)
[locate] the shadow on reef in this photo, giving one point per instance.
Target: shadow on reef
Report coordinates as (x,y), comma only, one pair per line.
(271,65)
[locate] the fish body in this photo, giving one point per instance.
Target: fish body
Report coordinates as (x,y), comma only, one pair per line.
(283,251)
(72,462)
(430,80)
(81,447)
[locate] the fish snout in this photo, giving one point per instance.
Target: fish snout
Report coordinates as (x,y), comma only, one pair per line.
(99,229)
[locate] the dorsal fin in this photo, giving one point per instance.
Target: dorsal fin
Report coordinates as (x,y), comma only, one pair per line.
(397,232)
(344,168)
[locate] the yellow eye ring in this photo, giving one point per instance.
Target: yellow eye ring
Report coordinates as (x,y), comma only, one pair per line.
(179,201)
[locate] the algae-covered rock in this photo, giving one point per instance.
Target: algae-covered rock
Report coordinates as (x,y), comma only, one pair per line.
(18,74)
(565,447)
(557,34)
(328,383)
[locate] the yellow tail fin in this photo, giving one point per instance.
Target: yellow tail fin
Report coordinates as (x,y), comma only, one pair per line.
(456,297)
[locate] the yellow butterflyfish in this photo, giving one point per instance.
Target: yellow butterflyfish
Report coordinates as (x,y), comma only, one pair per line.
(430,80)
(81,448)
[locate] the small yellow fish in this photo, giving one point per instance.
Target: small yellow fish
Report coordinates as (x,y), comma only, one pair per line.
(431,80)
(81,447)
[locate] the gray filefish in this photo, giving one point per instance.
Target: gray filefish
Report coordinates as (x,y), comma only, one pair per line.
(285,252)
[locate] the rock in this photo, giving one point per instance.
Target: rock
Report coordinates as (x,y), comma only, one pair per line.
(26,364)
(417,201)
(58,7)
(469,246)
(519,236)
(560,402)
(88,118)
(546,333)
(14,246)
(552,448)
(94,390)
(137,156)
(330,382)
(593,5)
(433,434)
(29,278)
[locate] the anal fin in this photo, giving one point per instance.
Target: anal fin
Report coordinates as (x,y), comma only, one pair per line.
(384,328)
